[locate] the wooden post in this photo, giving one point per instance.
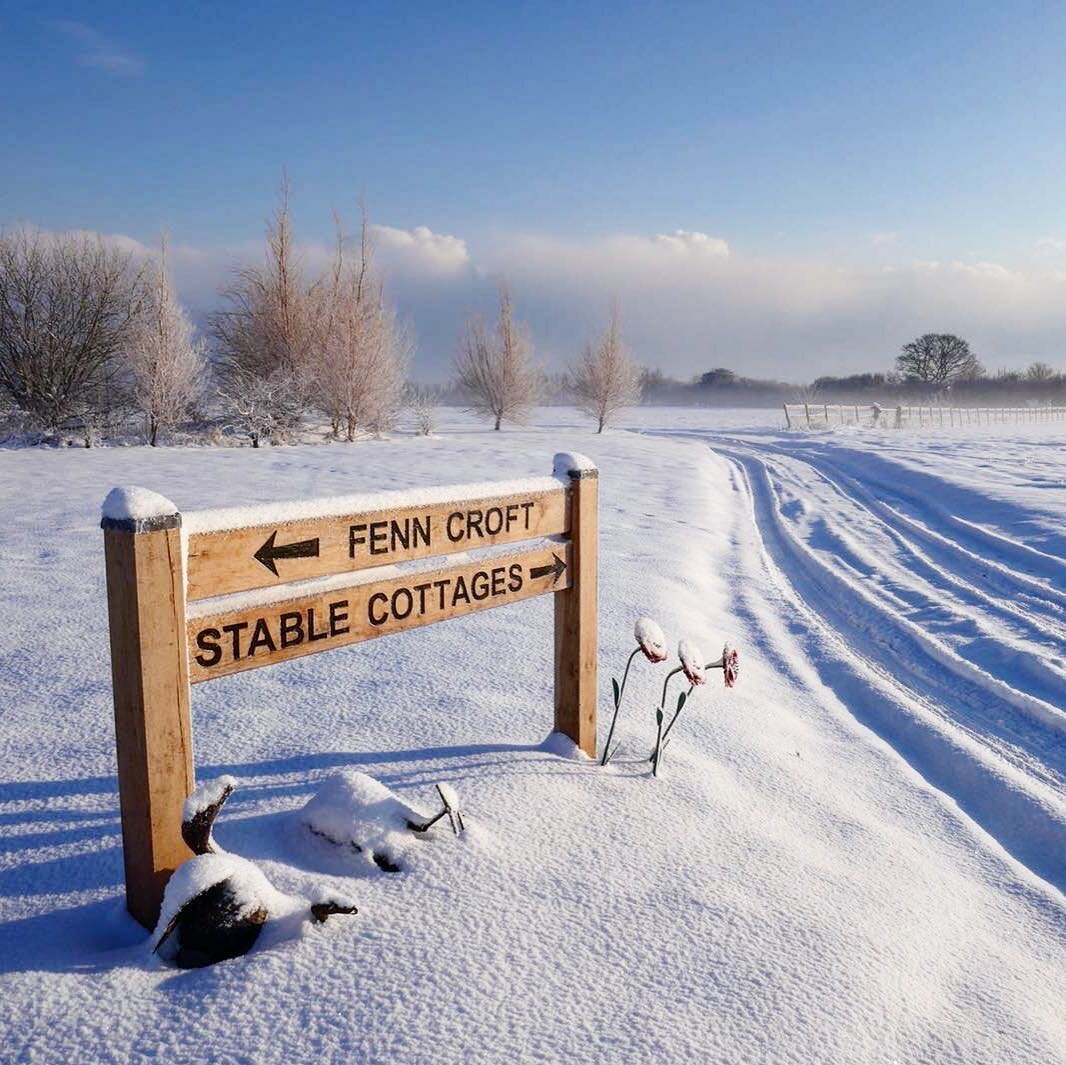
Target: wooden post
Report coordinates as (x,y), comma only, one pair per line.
(807,411)
(575,616)
(150,681)
(788,420)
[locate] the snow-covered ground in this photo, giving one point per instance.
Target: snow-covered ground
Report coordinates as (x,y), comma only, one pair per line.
(856,855)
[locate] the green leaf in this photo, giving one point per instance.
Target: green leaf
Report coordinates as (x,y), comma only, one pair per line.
(681,701)
(617,693)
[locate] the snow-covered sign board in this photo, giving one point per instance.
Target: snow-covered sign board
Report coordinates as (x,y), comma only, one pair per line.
(201,595)
(251,636)
(267,553)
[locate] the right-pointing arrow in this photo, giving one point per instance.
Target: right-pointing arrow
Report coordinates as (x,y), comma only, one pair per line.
(557,567)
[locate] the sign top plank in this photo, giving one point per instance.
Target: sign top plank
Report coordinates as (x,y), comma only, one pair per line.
(390,528)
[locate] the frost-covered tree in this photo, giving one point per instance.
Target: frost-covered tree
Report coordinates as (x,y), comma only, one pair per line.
(938,359)
(166,363)
(495,369)
(67,302)
(269,325)
(363,348)
(422,402)
(262,408)
(606,379)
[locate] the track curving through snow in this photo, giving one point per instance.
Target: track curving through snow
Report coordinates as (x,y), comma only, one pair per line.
(941,635)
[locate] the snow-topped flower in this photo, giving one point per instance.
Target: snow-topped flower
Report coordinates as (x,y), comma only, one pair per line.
(652,644)
(651,640)
(730,665)
(692,662)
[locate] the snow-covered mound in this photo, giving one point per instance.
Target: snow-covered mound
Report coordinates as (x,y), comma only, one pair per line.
(354,810)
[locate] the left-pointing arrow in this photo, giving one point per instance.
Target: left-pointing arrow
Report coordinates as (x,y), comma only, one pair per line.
(270,552)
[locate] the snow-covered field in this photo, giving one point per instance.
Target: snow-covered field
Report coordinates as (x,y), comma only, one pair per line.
(857,855)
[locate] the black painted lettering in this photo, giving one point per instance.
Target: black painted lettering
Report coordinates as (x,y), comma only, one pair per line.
(356,536)
(234,631)
(454,527)
(443,586)
(527,507)
(479,585)
(291,625)
(207,640)
(512,515)
(402,603)
(379,537)
(338,615)
(498,575)
(401,534)
(460,593)
(422,589)
(311,634)
(261,638)
(515,583)
(493,521)
(473,523)
(421,531)
(377,597)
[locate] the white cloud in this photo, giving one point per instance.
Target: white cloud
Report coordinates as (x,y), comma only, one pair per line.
(687,242)
(98,51)
(420,248)
(685,305)
(1051,244)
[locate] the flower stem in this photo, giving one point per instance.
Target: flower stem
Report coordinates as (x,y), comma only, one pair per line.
(618,706)
(677,714)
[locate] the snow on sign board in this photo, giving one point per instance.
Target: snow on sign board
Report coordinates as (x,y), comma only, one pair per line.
(270,583)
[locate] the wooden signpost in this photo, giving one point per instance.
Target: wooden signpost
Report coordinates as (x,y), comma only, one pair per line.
(223,600)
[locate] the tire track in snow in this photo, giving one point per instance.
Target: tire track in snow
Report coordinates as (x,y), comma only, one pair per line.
(1026,658)
(965,552)
(905,648)
(1015,799)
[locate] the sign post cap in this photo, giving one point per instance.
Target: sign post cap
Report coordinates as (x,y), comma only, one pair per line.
(138,510)
(570,464)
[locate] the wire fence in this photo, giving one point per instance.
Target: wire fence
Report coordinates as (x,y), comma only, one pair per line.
(874,416)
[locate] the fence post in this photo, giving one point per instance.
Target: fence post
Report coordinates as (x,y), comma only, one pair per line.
(575,617)
(150,684)
(807,411)
(788,419)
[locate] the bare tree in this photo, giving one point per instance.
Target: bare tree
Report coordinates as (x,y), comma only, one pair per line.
(263,408)
(269,325)
(495,370)
(938,359)
(66,305)
(363,351)
(422,400)
(607,379)
(165,362)
(1040,372)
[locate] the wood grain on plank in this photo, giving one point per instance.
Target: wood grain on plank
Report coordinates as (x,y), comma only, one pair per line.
(246,638)
(261,556)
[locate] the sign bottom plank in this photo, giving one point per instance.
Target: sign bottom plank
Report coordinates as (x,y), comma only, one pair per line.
(261,635)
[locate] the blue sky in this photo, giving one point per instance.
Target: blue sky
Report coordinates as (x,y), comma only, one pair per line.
(850,137)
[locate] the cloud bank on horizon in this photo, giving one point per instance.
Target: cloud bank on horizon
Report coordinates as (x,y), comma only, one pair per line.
(689,300)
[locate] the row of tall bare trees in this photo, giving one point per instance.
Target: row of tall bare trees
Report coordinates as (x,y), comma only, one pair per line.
(495,370)
(89,333)
(289,341)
